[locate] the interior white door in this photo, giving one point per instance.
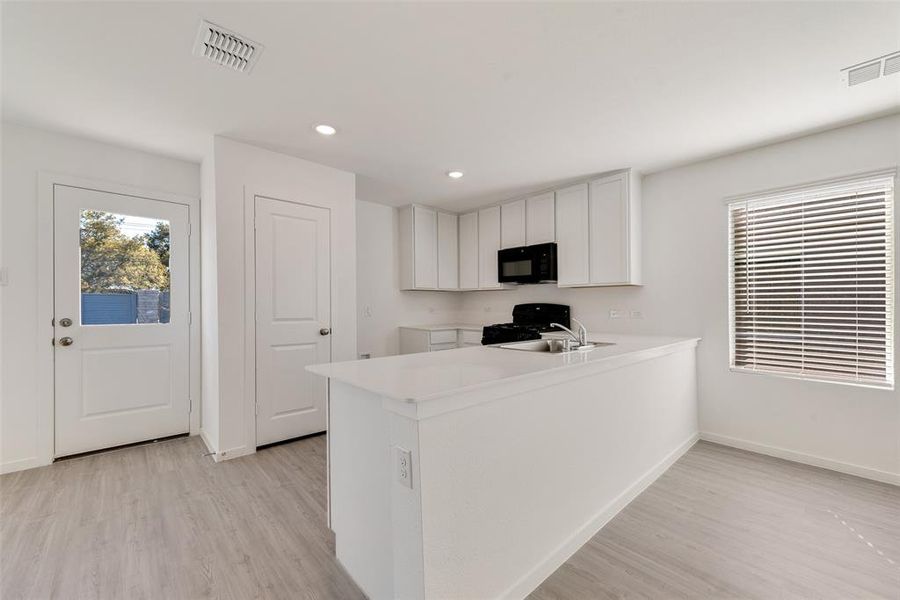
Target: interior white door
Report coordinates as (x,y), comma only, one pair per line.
(121,323)
(293,318)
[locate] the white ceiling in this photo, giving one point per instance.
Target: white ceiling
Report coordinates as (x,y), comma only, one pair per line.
(516,95)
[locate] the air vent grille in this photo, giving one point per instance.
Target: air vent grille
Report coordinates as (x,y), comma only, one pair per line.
(892,64)
(871,69)
(864,74)
(226,48)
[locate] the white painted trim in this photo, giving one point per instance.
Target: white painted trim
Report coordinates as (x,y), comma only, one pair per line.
(45,369)
(249,328)
(806,459)
(235,452)
(209,447)
(531,580)
(21,464)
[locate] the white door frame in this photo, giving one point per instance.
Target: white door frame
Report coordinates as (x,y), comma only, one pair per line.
(250,303)
(45,280)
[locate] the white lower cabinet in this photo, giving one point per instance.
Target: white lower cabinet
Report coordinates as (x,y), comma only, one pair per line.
(426,339)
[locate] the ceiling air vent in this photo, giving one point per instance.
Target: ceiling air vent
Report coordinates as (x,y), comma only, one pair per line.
(872,69)
(226,48)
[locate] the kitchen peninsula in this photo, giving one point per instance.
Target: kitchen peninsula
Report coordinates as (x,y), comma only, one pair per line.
(476,472)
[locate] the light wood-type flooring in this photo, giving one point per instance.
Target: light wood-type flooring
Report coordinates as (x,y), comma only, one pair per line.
(163,521)
(724,523)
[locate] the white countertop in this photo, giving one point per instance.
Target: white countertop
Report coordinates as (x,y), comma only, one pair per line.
(444,327)
(421,378)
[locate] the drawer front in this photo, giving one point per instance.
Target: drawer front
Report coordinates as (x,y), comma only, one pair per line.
(470,337)
(443,337)
(437,347)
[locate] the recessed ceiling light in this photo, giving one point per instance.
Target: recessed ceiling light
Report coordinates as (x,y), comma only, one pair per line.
(326,129)
(454,174)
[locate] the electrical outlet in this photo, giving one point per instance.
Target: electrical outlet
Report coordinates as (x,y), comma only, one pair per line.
(403,461)
(636,314)
(615,313)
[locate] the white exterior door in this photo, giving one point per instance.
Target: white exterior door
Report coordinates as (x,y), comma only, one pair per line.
(293,318)
(121,323)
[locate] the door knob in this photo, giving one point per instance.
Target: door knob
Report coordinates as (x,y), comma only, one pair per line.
(65,341)
(324,331)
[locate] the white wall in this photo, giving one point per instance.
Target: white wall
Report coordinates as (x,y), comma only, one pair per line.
(686,292)
(26,152)
(382,305)
(240,172)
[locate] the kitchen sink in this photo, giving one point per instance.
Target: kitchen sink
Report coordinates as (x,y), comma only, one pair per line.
(552,346)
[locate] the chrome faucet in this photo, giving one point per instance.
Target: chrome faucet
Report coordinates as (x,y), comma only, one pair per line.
(581,337)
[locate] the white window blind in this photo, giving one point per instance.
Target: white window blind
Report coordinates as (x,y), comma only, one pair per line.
(811,274)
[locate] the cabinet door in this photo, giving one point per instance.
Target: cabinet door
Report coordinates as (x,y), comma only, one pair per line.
(609,227)
(425,251)
(540,219)
(572,229)
(512,224)
(448,251)
(488,246)
(468,251)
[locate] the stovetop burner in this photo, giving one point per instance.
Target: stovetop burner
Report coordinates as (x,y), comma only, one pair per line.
(529,321)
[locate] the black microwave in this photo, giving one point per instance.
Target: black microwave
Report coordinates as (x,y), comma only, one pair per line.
(527,264)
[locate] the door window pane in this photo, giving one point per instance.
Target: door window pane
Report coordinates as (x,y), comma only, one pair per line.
(124,269)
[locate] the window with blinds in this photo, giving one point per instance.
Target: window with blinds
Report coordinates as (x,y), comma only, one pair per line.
(811,282)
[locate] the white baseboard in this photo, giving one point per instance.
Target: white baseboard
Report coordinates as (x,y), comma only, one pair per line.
(806,459)
(22,464)
(531,580)
(235,452)
(206,442)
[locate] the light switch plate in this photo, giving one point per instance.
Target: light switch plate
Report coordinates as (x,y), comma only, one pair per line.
(403,466)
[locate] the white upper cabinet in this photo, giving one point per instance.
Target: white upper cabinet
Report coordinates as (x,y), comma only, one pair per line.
(468,251)
(596,225)
(448,251)
(425,247)
(572,232)
(512,224)
(616,229)
(540,219)
(609,252)
(598,232)
(488,246)
(419,249)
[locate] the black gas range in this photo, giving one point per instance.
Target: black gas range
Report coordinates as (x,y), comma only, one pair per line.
(529,322)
